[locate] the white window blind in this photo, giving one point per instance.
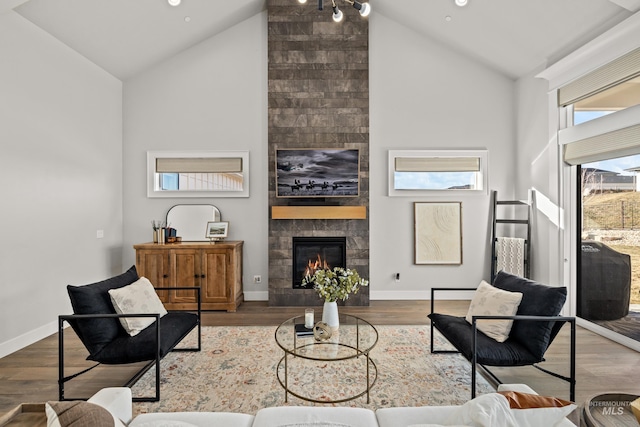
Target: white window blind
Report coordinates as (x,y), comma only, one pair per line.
(609,145)
(615,135)
(198,165)
(437,164)
(615,72)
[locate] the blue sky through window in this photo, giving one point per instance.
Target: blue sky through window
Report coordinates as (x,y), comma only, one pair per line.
(434,180)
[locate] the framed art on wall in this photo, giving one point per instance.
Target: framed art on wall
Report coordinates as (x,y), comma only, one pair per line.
(438,233)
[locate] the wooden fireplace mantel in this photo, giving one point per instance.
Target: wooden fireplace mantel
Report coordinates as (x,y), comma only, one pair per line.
(318,212)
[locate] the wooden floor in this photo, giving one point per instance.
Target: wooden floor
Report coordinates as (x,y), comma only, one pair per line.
(30,375)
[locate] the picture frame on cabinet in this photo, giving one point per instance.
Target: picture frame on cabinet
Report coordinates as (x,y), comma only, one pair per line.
(217,230)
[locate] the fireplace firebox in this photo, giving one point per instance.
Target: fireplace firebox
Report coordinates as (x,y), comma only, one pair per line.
(312,253)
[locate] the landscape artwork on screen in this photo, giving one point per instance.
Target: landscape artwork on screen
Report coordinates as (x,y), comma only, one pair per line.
(317,173)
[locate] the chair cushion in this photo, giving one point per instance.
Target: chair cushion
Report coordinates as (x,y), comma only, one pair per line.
(491,301)
(94,299)
(490,352)
(137,298)
(537,300)
(141,347)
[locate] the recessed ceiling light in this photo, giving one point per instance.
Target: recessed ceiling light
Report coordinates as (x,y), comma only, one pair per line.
(177,2)
(461,3)
(447,18)
(187,19)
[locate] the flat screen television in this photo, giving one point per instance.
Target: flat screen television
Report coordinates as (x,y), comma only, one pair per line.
(321,173)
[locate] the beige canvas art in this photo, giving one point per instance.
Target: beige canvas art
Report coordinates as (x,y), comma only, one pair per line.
(438,232)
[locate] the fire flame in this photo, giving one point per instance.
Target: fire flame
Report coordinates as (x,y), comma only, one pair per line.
(314,265)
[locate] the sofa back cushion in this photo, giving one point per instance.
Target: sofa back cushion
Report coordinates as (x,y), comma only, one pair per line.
(537,300)
(94,299)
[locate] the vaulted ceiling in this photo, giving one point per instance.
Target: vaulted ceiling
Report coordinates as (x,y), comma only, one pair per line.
(513,37)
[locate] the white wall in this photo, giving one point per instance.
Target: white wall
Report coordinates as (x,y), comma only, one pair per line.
(212,96)
(424,96)
(61,174)
(538,160)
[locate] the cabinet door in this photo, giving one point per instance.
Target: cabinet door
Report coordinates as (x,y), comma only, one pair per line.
(185,271)
(217,265)
(154,265)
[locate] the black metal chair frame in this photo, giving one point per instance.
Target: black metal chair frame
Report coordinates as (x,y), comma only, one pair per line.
(66,318)
(571,379)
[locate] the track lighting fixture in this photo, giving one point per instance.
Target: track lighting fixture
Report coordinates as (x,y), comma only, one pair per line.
(337,13)
(363,8)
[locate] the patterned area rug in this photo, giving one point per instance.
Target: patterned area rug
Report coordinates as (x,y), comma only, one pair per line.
(236,372)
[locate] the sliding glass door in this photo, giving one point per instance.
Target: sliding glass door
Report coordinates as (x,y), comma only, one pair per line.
(608,291)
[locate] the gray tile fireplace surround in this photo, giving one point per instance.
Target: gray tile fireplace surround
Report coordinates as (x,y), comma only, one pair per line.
(318,97)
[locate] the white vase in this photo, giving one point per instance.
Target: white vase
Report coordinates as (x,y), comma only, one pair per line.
(330,314)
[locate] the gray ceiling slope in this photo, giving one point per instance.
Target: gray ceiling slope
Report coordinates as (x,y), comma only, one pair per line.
(513,37)
(125,37)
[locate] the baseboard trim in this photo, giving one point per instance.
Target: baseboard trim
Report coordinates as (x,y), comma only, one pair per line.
(256,296)
(24,340)
(609,334)
(383,295)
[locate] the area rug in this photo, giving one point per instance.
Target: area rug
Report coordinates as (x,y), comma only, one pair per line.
(236,372)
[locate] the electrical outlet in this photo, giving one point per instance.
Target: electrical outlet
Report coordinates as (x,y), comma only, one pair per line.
(99,234)
(257,279)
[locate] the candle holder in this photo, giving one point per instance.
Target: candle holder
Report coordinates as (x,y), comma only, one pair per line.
(309,318)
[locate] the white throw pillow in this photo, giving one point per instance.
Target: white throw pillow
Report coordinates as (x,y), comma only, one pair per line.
(436,425)
(491,301)
(315,424)
(166,423)
(137,298)
(541,417)
(487,410)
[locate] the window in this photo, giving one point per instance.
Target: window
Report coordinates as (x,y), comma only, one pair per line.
(416,172)
(603,141)
(616,98)
(198,174)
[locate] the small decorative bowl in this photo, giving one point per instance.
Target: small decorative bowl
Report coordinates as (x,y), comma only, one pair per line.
(172,239)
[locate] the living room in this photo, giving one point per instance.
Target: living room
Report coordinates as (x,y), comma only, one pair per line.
(87,132)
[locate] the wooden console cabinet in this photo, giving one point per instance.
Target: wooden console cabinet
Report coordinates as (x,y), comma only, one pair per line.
(215,267)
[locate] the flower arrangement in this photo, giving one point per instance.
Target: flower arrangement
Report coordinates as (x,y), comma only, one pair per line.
(336,284)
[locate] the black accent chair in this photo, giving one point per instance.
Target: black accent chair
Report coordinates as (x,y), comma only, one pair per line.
(97,325)
(536,323)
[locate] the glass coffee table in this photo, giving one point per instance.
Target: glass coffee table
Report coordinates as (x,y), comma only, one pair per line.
(330,370)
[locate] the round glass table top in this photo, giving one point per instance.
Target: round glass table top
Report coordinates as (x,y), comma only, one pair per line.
(354,337)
